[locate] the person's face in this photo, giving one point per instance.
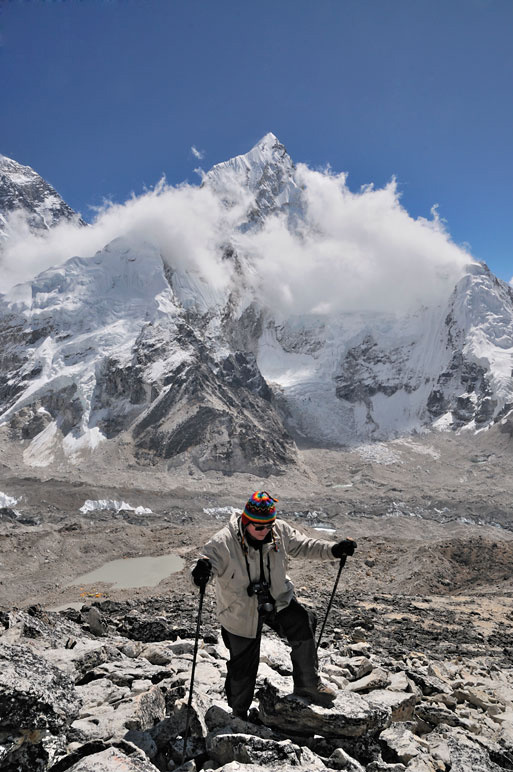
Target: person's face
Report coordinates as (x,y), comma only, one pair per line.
(259,532)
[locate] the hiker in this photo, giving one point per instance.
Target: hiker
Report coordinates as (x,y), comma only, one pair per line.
(248,558)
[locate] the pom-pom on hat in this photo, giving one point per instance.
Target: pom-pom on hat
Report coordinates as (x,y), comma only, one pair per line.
(260,509)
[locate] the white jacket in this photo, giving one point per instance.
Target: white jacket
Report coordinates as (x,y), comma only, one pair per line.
(236,610)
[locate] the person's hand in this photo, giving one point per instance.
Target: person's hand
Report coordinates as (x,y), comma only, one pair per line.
(344,547)
(202,572)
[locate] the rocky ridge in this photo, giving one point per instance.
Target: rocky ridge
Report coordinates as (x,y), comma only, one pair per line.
(106,688)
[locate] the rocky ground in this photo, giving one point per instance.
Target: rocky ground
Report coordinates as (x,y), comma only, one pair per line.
(419,639)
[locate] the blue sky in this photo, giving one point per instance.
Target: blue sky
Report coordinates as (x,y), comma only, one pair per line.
(103,98)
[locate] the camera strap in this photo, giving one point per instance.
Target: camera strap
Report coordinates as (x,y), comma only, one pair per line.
(262,572)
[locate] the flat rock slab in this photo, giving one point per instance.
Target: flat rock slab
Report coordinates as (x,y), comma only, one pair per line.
(349,716)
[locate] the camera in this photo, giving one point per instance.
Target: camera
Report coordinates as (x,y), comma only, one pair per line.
(265,601)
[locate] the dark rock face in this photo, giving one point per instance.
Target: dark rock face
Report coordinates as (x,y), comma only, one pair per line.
(28,422)
(464,388)
(476,403)
(220,414)
(119,396)
(243,332)
(368,370)
(65,406)
(14,375)
(240,371)
(506,426)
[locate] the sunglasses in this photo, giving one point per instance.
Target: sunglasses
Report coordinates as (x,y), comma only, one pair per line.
(263,527)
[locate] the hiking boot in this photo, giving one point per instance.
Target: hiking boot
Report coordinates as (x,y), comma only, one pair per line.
(319,693)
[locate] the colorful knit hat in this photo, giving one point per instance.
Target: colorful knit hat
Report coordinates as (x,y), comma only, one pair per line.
(260,509)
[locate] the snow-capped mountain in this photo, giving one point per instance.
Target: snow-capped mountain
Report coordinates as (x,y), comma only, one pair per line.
(267,175)
(104,345)
(24,192)
(124,346)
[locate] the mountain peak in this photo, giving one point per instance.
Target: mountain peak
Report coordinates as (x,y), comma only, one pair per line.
(250,166)
(267,172)
(269,149)
(23,189)
(269,140)
(10,167)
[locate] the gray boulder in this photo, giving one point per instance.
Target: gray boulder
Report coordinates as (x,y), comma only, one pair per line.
(220,721)
(124,672)
(434,714)
(402,744)
(101,691)
(429,684)
(377,679)
(86,655)
(30,749)
(354,668)
(462,753)
(112,760)
(33,693)
(401,704)
(339,759)
(142,740)
(247,749)
(96,622)
(236,766)
(424,764)
(139,712)
(172,725)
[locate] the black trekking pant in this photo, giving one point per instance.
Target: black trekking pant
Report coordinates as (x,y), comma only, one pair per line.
(297,625)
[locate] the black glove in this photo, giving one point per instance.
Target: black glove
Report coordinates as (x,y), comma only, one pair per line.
(344,547)
(202,572)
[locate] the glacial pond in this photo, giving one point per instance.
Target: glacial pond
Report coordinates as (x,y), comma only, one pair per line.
(126,573)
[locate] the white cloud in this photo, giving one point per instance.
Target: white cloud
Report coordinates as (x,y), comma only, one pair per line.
(199,154)
(356,251)
(187,223)
(359,251)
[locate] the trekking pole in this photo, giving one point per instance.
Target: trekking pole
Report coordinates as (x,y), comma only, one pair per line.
(341,566)
(189,704)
